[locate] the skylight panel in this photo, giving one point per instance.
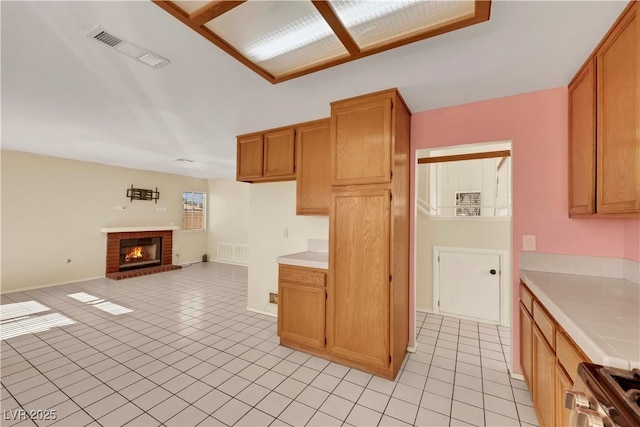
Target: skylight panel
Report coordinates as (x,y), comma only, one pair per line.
(280,37)
(372,23)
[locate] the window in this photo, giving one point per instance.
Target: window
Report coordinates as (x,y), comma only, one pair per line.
(193,211)
(468,203)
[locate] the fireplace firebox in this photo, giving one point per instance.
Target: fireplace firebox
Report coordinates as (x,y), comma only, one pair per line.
(140,253)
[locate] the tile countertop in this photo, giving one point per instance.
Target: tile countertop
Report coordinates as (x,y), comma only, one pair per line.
(306,259)
(602,315)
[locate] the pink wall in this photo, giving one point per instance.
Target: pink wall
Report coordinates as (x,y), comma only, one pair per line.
(632,239)
(537,124)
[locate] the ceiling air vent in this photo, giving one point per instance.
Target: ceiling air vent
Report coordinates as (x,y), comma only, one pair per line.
(107,38)
(132,50)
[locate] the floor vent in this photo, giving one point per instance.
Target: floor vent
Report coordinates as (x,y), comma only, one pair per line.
(132,50)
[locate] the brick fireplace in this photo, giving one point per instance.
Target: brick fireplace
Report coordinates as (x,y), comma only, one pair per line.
(114,263)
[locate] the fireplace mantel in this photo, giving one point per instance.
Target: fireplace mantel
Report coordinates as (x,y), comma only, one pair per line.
(134,229)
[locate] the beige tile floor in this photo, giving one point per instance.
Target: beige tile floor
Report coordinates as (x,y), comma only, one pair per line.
(189,353)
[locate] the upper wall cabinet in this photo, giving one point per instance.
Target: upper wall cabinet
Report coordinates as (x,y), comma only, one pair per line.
(361,152)
(313,187)
(604,125)
(267,156)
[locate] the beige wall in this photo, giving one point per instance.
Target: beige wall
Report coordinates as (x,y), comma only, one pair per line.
(272,208)
(53,209)
(455,232)
(228,213)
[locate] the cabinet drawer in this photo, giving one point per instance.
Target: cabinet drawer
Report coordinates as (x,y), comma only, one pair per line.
(304,275)
(545,323)
(568,355)
(526,298)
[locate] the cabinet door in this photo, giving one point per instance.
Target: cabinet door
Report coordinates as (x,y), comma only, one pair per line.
(563,382)
(279,153)
(301,314)
(361,142)
(582,141)
(313,178)
(544,366)
(249,158)
(358,305)
(618,61)
(526,344)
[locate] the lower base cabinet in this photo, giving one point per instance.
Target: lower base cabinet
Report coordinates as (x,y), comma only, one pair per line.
(301,305)
(563,382)
(526,324)
(544,375)
(549,362)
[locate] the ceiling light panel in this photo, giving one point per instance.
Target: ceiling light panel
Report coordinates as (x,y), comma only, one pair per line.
(191,6)
(374,23)
(279,36)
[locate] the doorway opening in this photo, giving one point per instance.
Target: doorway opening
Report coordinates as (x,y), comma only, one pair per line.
(463,231)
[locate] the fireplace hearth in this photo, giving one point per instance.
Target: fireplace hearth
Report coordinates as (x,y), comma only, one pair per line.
(137,253)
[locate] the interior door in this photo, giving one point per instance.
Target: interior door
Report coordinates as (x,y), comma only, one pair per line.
(469,285)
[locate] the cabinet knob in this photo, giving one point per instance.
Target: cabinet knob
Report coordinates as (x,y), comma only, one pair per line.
(492,271)
(575,400)
(586,418)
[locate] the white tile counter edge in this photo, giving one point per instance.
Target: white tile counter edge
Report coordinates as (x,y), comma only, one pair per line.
(581,338)
(306,259)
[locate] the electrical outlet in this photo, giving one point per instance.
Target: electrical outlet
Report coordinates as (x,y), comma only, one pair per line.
(528,242)
(273,298)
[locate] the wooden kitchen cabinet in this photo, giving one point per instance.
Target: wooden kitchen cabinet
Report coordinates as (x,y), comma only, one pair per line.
(618,112)
(563,382)
(544,375)
(249,162)
(369,232)
(358,291)
(361,140)
(313,177)
(266,156)
(549,359)
(604,118)
(301,305)
(367,293)
(582,141)
(526,331)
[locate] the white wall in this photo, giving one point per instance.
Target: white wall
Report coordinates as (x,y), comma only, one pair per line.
(455,232)
(228,213)
(465,176)
(53,209)
(272,208)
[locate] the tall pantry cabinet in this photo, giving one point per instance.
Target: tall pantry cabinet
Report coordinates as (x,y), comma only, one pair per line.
(368,290)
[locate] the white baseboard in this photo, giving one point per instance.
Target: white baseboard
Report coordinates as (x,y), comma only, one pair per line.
(48,285)
(228,262)
(412,349)
(266,313)
(517,376)
(424,310)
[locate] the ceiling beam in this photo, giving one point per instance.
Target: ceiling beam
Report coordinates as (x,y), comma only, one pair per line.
(336,25)
(212,10)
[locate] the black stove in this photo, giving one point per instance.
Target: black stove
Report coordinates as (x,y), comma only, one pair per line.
(617,392)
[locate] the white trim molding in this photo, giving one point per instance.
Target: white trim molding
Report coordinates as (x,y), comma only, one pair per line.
(134,229)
